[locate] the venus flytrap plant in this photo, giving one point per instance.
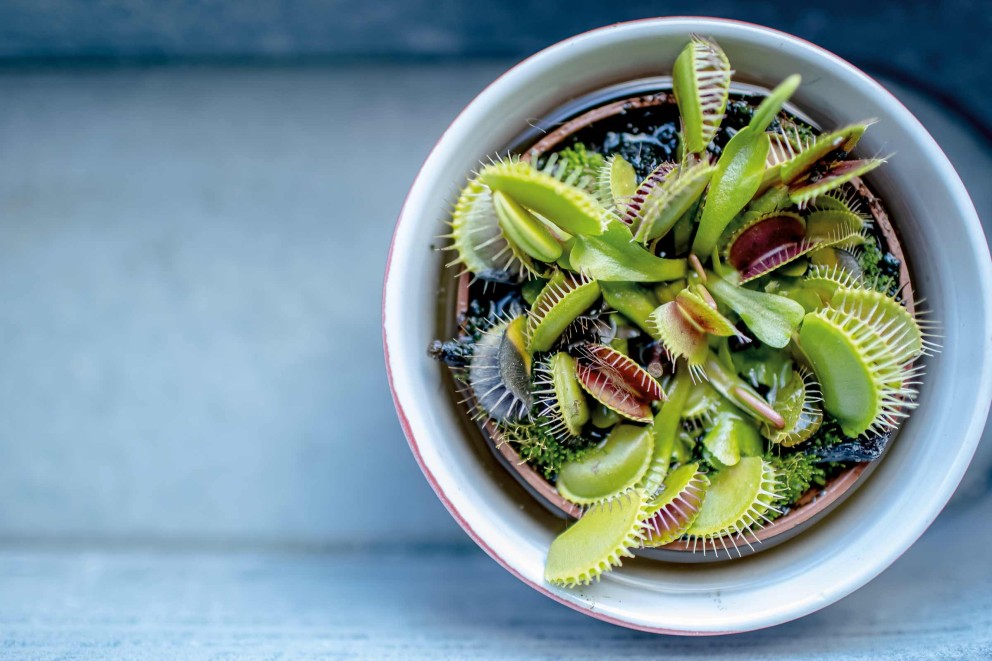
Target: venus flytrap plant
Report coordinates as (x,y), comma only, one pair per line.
(773,319)
(676,506)
(561,301)
(740,394)
(617,382)
(739,499)
(685,325)
(598,541)
(862,347)
(798,402)
(477,239)
(560,401)
(842,140)
(682,355)
(523,230)
(499,372)
(736,180)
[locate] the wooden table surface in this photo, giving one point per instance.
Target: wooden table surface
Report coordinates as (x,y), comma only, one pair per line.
(449,602)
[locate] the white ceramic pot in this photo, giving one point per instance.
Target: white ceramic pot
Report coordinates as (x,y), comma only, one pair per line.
(947,253)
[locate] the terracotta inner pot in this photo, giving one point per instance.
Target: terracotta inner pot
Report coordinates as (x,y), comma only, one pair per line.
(814,503)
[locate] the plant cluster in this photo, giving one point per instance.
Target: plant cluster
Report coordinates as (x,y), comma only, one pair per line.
(677,342)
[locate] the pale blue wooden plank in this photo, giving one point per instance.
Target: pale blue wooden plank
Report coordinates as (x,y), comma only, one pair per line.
(449,603)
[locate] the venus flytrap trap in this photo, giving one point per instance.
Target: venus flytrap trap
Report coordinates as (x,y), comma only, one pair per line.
(617,382)
(701,83)
(676,505)
(562,300)
(685,356)
(609,470)
(665,196)
(739,499)
(616,184)
(560,402)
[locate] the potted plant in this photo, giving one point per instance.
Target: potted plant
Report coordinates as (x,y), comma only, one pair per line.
(740,231)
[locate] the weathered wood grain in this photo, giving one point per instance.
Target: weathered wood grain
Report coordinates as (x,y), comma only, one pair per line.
(448,603)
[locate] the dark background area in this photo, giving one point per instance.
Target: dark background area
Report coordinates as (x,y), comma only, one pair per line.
(941,48)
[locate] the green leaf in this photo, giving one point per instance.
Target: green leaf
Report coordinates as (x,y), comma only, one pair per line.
(570,208)
(667,425)
(721,439)
(772,104)
(633,302)
(614,257)
(738,175)
(772,318)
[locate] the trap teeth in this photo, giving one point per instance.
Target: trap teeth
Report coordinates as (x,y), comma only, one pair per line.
(701,83)
(598,541)
(676,507)
(616,184)
(477,240)
(499,372)
(737,503)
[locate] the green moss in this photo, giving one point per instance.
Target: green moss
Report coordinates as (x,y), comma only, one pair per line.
(880,270)
(579,158)
(797,473)
(542,450)
(829,433)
